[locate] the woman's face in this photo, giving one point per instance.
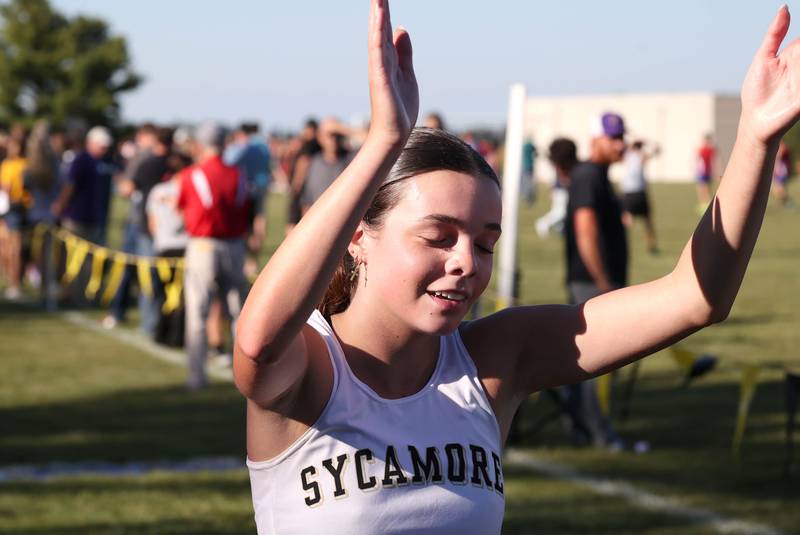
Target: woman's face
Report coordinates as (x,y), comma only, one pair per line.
(432,258)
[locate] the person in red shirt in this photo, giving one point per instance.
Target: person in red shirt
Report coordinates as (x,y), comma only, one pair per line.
(705,171)
(213,198)
(780,175)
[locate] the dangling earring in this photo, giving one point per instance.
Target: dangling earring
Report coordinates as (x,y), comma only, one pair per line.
(365,274)
(354,272)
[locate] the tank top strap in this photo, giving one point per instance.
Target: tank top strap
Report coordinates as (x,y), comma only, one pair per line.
(459,361)
(456,354)
(322,325)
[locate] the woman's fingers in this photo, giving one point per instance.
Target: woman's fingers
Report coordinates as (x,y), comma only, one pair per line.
(775,34)
(381,45)
(376,16)
(387,21)
(402,43)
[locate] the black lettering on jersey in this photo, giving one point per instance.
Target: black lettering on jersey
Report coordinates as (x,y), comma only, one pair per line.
(428,471)
(312,486)
(337,473)
(498,473)
(456,463)
(393,470)
(479,467)
(362,456)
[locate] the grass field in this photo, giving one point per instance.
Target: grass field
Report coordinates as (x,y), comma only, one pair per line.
(69,394)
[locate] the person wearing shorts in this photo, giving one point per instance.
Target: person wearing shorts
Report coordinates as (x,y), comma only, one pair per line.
(706,155)
(780,176)
(636,204)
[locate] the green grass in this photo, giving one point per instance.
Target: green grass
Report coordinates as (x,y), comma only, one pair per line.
(71,395)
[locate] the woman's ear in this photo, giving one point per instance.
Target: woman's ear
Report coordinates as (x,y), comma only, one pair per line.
(356,247)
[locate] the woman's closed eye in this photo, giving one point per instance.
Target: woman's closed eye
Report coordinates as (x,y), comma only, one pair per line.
(439,240)
(449,241)
(485,248)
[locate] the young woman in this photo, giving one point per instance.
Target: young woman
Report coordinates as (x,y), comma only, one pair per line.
(12,181)
(380,411)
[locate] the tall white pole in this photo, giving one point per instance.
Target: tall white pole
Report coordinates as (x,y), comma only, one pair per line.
(512,173)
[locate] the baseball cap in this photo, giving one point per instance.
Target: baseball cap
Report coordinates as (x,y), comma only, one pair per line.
(608,124)
(99,135)
(211,134)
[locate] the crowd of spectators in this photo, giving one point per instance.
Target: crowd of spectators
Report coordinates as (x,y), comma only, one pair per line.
(155,191)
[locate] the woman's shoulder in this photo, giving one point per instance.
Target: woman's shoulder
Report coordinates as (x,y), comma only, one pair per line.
(498,341)
(489,342)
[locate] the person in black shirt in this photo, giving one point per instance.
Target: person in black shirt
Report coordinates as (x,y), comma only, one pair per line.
(597,251)
(597,259)
(148,174)
(143,173)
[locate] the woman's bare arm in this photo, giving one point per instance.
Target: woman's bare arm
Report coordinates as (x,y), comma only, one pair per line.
(270,354)
(556,345)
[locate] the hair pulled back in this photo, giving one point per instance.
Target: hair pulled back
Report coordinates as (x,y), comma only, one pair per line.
(42,167)
(427,150)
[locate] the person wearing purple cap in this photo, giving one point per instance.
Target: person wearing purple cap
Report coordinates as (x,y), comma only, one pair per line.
(597,259)
(597,252)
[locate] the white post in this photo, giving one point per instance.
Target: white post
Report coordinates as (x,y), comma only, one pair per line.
(512,173)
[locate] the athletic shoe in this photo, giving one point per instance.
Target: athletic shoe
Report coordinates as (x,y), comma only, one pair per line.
(34,277)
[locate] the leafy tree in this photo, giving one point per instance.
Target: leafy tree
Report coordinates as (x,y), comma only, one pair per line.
(60,68)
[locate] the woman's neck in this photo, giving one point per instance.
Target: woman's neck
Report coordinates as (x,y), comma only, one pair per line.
(386,354)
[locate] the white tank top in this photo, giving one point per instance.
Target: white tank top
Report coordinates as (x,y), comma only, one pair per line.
(633,180)
(427,463)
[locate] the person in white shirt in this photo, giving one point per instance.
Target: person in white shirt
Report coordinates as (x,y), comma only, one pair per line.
(636,203)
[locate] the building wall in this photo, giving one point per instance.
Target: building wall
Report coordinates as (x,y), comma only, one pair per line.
(726,120)
(676,122)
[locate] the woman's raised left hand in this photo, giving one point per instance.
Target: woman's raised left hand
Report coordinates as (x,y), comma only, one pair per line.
(771,89)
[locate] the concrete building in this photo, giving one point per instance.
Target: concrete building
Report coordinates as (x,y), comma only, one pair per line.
(676,122)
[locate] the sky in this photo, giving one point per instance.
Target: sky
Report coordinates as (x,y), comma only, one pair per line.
(279,62)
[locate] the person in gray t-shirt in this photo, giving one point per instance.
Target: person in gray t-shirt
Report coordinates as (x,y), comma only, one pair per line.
(325,166)
(164,220)
(165,224)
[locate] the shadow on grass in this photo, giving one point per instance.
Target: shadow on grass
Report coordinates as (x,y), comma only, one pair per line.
(31,305)
(752,319)
(690,432)
(16,308)
(136,424)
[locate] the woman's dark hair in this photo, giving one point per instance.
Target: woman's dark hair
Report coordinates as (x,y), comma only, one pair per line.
(176,162)
(42,165)
(427,150)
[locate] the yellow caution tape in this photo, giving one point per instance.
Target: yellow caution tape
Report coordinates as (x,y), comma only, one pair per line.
(99,257)
(79,250)
(173,292)
(114,278)
(500,303)
(164,270)
(603,384)
(683,358)
(145,278)
(747,389)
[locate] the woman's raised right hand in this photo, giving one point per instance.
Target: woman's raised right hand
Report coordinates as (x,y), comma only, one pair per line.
(394,96)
